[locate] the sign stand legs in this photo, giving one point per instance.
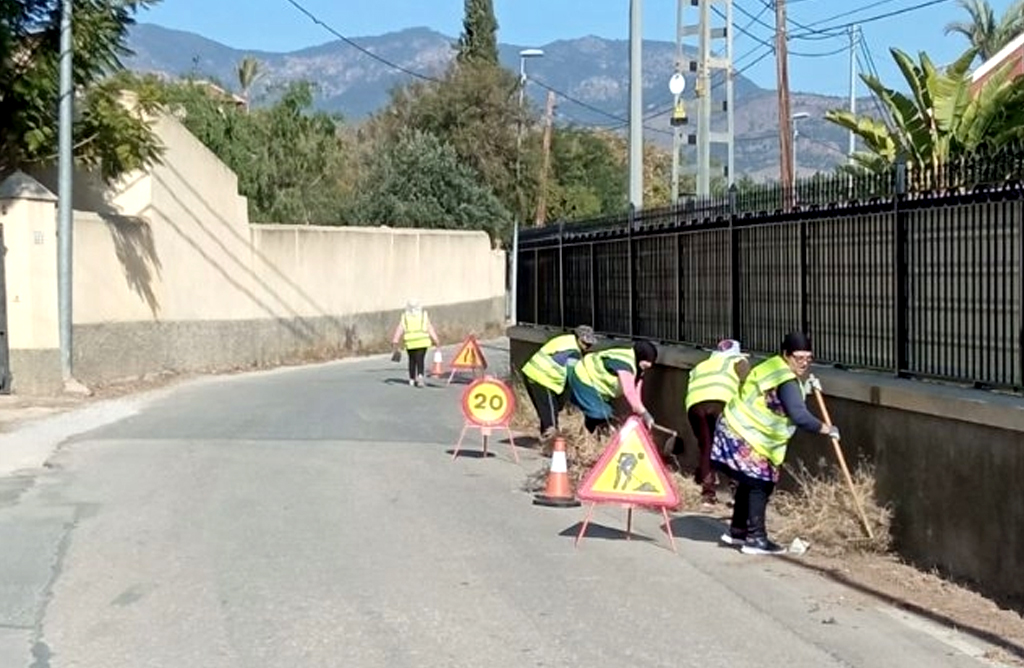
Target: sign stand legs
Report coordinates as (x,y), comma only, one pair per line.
(486,433)
(629,525)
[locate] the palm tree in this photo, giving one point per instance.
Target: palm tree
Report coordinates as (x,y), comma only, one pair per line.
(940,120)
(983,31)
(249,72)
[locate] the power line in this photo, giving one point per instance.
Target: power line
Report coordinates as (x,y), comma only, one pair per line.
(801,54)
(312,17)
(870,19)
(765,6)
(591,107)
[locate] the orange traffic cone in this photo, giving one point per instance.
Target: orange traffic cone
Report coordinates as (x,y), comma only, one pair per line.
(558,491)
(435,370)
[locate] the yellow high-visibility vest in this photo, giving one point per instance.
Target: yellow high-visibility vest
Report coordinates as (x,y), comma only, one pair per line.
(417,330)
(591,371)
(749,417)
(543,369)
(714,379)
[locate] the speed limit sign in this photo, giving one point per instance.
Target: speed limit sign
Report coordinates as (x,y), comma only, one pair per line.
(488,402)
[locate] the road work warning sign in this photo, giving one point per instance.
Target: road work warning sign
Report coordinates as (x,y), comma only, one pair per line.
(630,471)
(470,356)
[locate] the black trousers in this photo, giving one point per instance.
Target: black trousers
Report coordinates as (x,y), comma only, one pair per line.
(546,403)
(417,360)
(749,505)
(703,418)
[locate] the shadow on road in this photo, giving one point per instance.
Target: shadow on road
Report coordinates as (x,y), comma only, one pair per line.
(472,453)
(595,530)
(696,528)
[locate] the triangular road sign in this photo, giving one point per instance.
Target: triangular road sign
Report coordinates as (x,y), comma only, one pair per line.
(630,471)
(470,356)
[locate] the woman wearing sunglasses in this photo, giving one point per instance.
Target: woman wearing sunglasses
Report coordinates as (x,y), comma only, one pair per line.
(753,433)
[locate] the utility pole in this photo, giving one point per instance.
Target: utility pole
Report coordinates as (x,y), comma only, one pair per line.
(520,205)
(854,39)
(704,67)
(704,109)
(785,120)
(549,117)
(636,128)
(678,115)
(64,194)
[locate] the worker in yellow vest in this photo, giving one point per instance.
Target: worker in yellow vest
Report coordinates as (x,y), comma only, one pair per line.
(602,376)
(546,372)
(751,438)
(416,332)
(711,385)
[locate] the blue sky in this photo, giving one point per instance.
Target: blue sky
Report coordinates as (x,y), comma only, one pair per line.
(276,25)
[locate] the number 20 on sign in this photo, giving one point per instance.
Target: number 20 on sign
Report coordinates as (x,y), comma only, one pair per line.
(487,403)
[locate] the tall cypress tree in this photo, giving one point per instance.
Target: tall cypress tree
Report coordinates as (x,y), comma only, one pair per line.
(478,43)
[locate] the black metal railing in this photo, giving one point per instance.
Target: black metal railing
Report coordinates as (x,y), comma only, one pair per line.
(919,272)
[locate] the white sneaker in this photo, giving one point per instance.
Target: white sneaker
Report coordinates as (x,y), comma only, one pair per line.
(412,382)
(419,381)
(728,539)
(762,546)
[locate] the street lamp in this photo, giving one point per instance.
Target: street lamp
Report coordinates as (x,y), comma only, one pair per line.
(799,116)
(524,54)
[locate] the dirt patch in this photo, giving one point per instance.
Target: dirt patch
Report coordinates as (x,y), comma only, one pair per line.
(927,594)
(822,513)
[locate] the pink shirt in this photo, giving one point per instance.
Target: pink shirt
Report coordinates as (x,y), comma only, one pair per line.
(632,391)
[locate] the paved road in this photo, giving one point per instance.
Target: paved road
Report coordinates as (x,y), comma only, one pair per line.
(311,517)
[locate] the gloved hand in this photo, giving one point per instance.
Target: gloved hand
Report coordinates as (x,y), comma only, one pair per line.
(813,383)
(833,432)
(648,419)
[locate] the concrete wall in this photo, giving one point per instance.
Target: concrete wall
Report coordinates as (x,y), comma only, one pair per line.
(170,275)
(948,460)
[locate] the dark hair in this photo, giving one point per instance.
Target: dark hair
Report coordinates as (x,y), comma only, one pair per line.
(645,351)
(795,341)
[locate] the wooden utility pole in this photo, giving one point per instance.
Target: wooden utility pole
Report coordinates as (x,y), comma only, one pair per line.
(785,117)
(549,117)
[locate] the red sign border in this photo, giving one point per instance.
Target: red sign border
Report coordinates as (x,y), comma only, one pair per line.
(587,493)
(510,402)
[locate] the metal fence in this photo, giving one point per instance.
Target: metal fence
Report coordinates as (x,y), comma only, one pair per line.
(919,274)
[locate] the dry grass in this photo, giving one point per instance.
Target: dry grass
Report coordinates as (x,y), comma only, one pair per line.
(820,511)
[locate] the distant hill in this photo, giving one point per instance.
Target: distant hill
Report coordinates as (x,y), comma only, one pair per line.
(592,70)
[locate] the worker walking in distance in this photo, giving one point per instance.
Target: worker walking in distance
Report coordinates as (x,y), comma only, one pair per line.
(602,376)
(546,373)
(416,332)
(752,436)
(712,384)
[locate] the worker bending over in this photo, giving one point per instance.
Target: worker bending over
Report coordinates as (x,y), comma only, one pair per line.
(546,373)
(712,384)
(751,438)
(602,376)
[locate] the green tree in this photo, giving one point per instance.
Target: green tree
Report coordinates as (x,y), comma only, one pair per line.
(249,72)
(983,31)
(940,119)
(418,180)
(290,161)
(110,134)
(474,109)
(478,43)
(587,178)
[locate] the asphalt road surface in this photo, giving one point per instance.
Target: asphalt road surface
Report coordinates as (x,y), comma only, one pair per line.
(312,517)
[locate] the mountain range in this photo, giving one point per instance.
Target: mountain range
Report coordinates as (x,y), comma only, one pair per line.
(590,74)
